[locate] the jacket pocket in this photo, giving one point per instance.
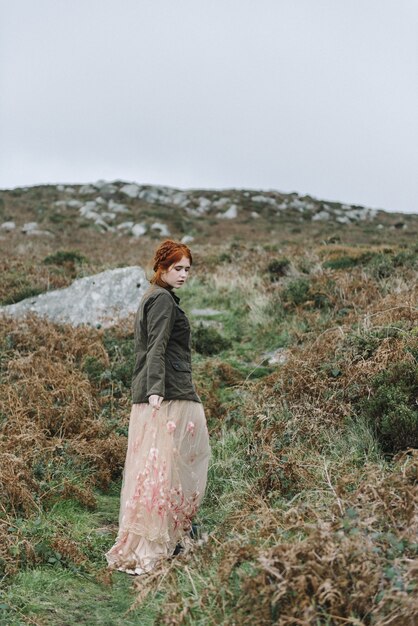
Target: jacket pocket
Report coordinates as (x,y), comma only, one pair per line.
(180,365)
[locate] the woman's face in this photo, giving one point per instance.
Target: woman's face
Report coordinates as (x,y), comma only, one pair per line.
(177,274)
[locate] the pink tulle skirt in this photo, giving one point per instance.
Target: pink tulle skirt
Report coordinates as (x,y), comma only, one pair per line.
(163,483)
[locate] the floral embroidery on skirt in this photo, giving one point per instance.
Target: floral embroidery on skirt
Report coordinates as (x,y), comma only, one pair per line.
(163,483)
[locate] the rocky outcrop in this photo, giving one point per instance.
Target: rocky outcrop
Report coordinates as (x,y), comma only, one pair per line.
(98,300)
(129,208)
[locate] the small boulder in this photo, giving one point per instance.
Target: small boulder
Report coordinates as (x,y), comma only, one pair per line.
(86,189)
(208,312)
(138,230)
(230,214)
(187,239)
(116,207)
(125,226)
(131,190)
(8,226)
(277,357)
(74,204)
(321,216)
(164,232)
(29,226)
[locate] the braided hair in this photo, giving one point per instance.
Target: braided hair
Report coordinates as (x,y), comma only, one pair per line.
(168,253)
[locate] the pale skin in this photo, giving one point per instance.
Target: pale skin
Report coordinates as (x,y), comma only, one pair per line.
(175,277)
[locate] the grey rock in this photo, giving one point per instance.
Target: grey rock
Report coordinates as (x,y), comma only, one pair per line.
(264,200)
(35,232)
(102,224)
(101,299)
(8,226)
(92,215)
(87,208)
(203,206)
(191,210)
(298,204)
(117,208)
(131,190)
(29,226)
(211,324)
(205,312)
(74,204)
(102,531)
(221,203)
(164,232)
(230,214)
(139,229)
(108,189)
(99,184)
(321,216)
(105,188)
(187,239)
(125,226)
(69,190)
(343,219)
(109,216)
(157,194)
(86,189)
(180,199)
(277,357)
(254,214)
(282,206)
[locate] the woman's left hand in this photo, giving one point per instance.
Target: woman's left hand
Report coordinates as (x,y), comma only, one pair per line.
(155,402)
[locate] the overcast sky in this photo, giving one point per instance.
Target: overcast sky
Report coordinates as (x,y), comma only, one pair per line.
(313,96)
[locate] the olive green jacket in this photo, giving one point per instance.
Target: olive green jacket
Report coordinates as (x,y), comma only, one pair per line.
(163,364)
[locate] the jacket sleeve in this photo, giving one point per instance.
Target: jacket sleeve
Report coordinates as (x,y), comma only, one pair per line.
(161,314)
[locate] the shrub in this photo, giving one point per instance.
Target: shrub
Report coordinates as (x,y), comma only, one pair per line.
(63,257)
(278,267)
(225,257)
(381,266)
(406,258)
(207,340)
(391,408)
(363,345)
(297,291)
(121,351)
(93,367)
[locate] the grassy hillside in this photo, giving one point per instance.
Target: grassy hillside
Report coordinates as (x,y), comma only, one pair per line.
(309,379)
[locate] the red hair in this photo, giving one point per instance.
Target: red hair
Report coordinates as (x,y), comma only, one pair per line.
(168,253)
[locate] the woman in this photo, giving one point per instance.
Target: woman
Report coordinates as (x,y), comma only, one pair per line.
(166,464)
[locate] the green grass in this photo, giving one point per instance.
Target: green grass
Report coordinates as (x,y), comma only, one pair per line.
(59,598)
(57,595)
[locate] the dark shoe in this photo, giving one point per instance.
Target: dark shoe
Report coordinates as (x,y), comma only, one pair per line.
(179,548)
(195,532)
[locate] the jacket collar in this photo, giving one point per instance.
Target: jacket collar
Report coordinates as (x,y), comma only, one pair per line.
(175,296)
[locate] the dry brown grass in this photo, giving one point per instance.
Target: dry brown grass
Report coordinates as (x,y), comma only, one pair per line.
(51,423)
